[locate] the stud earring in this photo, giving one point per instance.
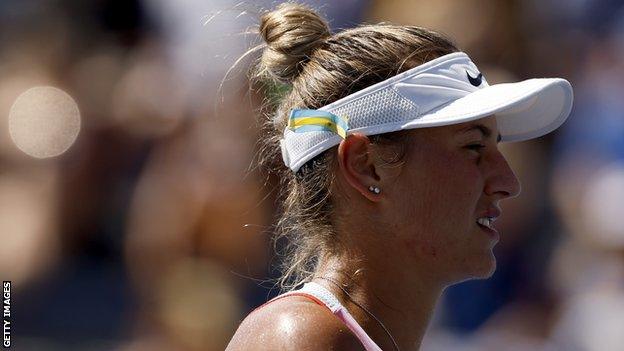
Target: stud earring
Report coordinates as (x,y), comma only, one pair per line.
(374,189)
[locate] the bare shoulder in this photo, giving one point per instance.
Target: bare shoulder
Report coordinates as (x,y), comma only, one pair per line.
(293,323)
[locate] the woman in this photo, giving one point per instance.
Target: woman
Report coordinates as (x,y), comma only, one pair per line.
(392,178)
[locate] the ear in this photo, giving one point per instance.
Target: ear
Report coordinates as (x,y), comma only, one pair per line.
(357,166)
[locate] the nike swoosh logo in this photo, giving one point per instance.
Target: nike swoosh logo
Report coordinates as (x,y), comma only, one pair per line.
(474,81)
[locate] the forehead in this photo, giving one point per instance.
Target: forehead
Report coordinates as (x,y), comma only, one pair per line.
(488,122)
(486,126)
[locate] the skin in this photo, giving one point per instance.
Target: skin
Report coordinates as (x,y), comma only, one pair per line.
(399,249)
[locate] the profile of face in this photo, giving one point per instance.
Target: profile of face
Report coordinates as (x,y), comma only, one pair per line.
(441,202)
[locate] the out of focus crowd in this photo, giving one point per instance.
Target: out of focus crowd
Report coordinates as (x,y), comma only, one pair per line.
(148,228)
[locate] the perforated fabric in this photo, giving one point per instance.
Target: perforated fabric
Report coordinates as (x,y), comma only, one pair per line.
(322,294)
(369,110)
(447,90)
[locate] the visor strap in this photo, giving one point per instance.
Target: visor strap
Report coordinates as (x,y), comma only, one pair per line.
(302,121)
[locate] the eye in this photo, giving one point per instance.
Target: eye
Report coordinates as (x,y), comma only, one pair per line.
(475,147)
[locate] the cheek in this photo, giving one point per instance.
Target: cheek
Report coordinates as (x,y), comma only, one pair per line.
(441,207)
(421,247)
(450,190)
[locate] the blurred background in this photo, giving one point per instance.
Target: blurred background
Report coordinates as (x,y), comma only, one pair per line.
(130,218)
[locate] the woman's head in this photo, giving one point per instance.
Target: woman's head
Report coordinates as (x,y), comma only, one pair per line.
(318,68)
(440,184)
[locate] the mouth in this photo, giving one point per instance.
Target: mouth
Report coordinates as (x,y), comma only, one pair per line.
(486,224)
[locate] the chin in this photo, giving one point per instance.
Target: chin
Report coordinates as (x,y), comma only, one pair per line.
(487,268)
(482,269)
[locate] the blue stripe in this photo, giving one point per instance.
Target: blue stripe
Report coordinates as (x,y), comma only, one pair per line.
(295,114)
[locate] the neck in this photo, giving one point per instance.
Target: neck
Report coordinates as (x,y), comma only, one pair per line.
(404,304)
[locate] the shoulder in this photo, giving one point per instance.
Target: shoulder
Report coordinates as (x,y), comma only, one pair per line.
(293,323)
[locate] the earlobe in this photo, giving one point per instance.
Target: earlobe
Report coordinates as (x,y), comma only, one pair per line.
(374,189)
(357,166)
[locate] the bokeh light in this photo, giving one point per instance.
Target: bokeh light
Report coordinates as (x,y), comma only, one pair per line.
(603,206)
(44,122)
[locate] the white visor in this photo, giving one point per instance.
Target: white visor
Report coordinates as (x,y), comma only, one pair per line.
(444,91)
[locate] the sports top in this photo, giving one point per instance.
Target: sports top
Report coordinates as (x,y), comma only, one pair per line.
(324,297)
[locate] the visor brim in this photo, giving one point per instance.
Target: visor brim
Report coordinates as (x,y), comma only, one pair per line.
(523,110)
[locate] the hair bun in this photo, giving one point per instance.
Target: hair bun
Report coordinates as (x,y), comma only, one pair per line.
(292,33)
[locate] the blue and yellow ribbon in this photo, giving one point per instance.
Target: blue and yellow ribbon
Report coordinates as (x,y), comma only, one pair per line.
(302,121)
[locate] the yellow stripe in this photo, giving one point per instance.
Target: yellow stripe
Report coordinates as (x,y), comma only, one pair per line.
(340,131)
(318,121)
(312,120)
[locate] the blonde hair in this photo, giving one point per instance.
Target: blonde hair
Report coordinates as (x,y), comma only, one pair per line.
(314,68)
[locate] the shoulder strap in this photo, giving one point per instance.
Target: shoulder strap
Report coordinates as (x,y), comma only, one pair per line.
(331,302)
(325,298)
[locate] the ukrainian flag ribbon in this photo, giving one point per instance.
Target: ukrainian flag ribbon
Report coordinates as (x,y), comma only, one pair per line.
(302,121)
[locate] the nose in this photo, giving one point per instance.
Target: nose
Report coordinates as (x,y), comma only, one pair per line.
(502,181)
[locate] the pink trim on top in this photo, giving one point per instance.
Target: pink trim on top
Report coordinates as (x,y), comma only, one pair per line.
(325,298)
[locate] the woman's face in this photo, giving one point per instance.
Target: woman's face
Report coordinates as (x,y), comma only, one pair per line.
(451,182)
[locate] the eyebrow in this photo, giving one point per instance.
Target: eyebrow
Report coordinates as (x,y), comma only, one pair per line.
(487,132)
